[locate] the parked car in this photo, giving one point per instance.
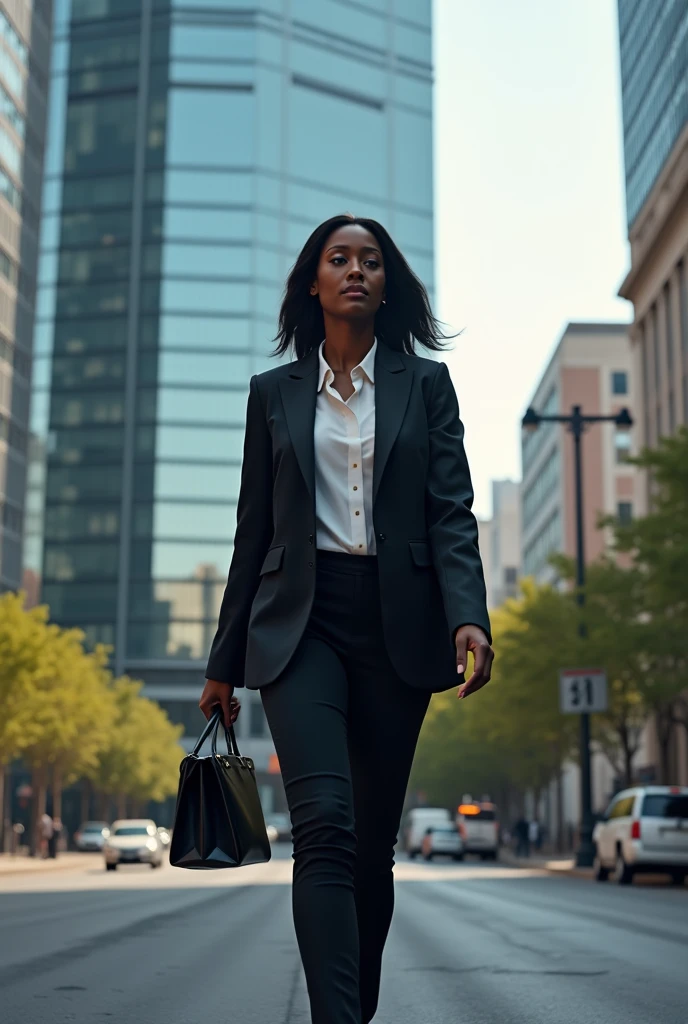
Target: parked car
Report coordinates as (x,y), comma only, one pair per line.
(479,828)
(418,821)
(442,841)
(91,835)
(645,829)
(278,827)
(133,841)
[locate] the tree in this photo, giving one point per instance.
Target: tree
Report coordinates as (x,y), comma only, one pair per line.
(658,547)
(141,758)
(69,720)
(22,641)
(510,737)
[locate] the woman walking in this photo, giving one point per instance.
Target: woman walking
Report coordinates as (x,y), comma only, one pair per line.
(356,587)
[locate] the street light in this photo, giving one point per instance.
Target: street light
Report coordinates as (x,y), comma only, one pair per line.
(576,422)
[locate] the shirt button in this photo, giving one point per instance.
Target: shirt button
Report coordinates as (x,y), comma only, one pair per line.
(358,513)
(355,487)
(355,465)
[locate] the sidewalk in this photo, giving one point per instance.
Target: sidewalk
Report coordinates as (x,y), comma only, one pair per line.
(21,864)
(555,864)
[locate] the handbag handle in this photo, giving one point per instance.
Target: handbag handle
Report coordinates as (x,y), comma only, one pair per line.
(212,727)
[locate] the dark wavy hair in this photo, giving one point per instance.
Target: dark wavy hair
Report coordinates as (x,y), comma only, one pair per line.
(404,320)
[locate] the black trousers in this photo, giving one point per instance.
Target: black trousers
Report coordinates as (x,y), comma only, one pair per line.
(345,728)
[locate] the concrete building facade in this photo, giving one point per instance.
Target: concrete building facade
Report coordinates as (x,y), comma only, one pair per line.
(500,543)
(25,31)
(653,46)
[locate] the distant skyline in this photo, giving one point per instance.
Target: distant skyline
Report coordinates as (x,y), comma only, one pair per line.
(530,210)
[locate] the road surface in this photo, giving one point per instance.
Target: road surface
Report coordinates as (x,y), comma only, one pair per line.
(470,944)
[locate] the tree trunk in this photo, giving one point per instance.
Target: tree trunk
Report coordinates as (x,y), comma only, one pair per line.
(57,793)
(664,721)
(85,810)
(560,810)
(39,780)
(3,823)
(121,805)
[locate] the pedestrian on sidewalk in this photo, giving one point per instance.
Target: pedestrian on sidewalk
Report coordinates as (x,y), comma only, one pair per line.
(356,587)
(46,831)
(522,832)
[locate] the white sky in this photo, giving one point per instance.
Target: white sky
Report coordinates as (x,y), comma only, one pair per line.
(530,211)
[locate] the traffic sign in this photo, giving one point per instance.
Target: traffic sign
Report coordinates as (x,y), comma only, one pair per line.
(582,690)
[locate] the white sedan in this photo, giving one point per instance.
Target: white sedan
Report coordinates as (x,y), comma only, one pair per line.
(442,841)
(133,841)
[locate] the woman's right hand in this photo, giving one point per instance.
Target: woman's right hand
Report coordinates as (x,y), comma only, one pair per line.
(216,693)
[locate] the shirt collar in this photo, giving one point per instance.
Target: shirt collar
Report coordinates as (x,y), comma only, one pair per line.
(367,365)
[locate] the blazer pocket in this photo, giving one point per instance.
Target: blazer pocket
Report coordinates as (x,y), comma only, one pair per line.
(273,560)
(421,553)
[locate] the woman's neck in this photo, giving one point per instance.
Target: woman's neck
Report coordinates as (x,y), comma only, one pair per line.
(346,343)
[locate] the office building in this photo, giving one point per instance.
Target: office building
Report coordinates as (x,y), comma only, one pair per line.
(653,40)
(591,366)
(197,146)
(24,66)
(500,543)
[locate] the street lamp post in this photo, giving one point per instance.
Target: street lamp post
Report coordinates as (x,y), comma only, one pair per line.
(576,422)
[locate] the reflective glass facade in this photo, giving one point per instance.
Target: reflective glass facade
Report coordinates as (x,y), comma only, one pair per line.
(653,37)
(24,62)
(198,144)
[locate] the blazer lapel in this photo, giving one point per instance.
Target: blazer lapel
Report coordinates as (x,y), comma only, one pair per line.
(392,389)
(299,394)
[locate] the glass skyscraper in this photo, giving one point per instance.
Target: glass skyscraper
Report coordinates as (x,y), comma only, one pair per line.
(653,38)
(196,144)
(24,64)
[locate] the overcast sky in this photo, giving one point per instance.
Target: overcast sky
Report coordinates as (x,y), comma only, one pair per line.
(530,209)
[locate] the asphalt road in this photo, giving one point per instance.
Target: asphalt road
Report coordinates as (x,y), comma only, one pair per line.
(470,944)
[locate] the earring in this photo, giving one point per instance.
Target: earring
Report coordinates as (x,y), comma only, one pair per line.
(384,302)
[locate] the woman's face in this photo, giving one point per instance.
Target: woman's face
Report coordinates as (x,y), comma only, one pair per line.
(350,279)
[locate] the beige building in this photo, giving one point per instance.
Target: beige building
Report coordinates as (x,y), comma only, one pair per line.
(500,543)
(592,366)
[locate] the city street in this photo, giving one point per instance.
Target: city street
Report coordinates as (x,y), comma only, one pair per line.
(470,944)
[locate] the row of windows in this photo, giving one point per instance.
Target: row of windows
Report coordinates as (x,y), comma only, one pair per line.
(166,404)
(161,480)
(543,486)
(11,73)
(164,367)
(9,110)
(11,432)
(12,517)
(546,543)
(159,560)
(193,600)
(13,39)
(15,357)
(72,446)
(532,442)
(171,520)
(9,191)
(173,330)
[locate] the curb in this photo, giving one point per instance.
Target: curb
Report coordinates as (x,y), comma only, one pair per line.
(59,865)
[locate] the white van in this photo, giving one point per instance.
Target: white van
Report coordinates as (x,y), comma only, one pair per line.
(479,828)
(418,821)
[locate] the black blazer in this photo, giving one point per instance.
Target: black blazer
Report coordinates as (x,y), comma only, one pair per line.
(430,573)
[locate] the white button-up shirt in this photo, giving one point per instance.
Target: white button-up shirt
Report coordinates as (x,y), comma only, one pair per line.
(344,452)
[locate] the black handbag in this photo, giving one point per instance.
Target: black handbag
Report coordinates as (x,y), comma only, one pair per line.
(218,821)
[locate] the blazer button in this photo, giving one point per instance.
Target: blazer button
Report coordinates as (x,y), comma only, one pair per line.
(310,565)
(310,538)
(381,537)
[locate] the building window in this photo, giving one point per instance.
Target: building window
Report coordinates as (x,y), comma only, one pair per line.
(622,445)
(258,725)
(624,512)
(619,382)
(669,328)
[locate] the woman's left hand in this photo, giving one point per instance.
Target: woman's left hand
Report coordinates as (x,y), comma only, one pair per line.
(472,638)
